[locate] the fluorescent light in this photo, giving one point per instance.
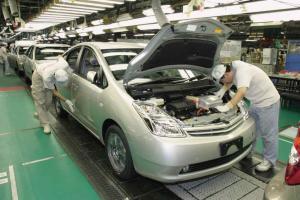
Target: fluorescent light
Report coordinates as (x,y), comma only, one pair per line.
(84,34)
(56,38)
(165,9)
(97,22)
(118,30)
(55,10)
(266,24)
(98,32)
(277,16)
(149,27)
(61,14)
(94,1)
(71,36)
(75,9)
(138,21)
(54,17)
(78,6)
(92,4)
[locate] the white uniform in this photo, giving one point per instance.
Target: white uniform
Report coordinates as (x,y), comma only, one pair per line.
(260,89)
(3,59)
(265,105)
(42,85)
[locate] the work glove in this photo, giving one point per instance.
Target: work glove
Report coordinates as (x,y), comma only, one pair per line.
(70,104)
(220,93)
(223,108)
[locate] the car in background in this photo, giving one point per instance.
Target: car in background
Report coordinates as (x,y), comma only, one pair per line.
(41,53)
(139,102)
(16,58)
(286,184)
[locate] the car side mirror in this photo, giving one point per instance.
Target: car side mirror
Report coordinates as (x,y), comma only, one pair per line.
(91,76)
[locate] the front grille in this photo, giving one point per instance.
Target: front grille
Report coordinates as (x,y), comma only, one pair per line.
(215,162)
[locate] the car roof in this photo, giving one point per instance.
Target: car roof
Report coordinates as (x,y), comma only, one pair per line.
(51,45)
(115,45)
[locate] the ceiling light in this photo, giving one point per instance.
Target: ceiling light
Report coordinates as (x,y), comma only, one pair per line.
(83,34)
(78,6)
(277,16)
(92,4)
(256,24)
(138,21)
(118,30)
(95,1)
(97,22)
(75,9)
(98,32)
(149,27)
(165,9)
(71,36)
(69,11)
(60,14)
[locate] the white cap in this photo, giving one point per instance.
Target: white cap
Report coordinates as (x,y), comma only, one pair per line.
(218,72)
(61,76)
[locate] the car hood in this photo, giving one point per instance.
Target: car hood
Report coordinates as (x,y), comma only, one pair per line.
(191,45)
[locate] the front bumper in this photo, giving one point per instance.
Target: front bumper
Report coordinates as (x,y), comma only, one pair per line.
(202,154)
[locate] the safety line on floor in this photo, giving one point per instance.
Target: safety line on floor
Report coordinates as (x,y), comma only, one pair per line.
(286,141)
(12,88)
(13,184)
(3,181)
(37,161)
(18,130)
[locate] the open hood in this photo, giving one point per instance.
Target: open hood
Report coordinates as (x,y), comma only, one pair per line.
(192,45)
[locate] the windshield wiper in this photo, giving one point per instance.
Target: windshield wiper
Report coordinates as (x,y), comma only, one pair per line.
(164,80)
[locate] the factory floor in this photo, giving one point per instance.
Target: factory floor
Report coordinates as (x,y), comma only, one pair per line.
(38,166)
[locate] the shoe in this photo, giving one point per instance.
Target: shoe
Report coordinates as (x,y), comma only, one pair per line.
(35,114)
(47,129)
(264,166)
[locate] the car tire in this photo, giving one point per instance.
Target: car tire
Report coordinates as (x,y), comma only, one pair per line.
(60,112)
(118,153)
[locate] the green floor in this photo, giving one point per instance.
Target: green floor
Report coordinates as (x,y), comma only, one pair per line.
(41,167)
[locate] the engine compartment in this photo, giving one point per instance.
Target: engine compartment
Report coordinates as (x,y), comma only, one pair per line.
(191,108)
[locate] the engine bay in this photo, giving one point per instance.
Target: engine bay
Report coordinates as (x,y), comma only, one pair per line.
(191,108)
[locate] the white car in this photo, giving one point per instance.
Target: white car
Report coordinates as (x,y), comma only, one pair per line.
(41,53)
(155,115)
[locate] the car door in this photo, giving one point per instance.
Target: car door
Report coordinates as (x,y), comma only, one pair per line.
(28,62)
(72,57)
(85,94)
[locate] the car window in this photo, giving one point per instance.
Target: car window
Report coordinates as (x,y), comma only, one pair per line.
(88,62)
(118,59)
(72,58)
(28,51)
(22,50)
(31,53)
(48,53)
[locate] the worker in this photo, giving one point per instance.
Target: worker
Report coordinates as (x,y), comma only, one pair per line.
(3,60)
(44,79)
(256,86)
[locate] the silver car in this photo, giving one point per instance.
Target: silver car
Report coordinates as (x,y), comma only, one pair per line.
(41,53)
(286,184)
(156,114)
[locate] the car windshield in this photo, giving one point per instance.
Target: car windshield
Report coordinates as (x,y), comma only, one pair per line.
(22,50)
(49,53)
(170,75)
(118,59)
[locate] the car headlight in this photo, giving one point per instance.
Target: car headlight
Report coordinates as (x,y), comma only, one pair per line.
(159,122)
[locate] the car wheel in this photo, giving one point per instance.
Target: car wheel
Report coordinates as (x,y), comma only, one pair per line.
(118,153)
(60,112)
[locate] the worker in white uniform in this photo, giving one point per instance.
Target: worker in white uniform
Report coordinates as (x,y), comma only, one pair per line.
(256,86)
(3,60)
(44,78)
